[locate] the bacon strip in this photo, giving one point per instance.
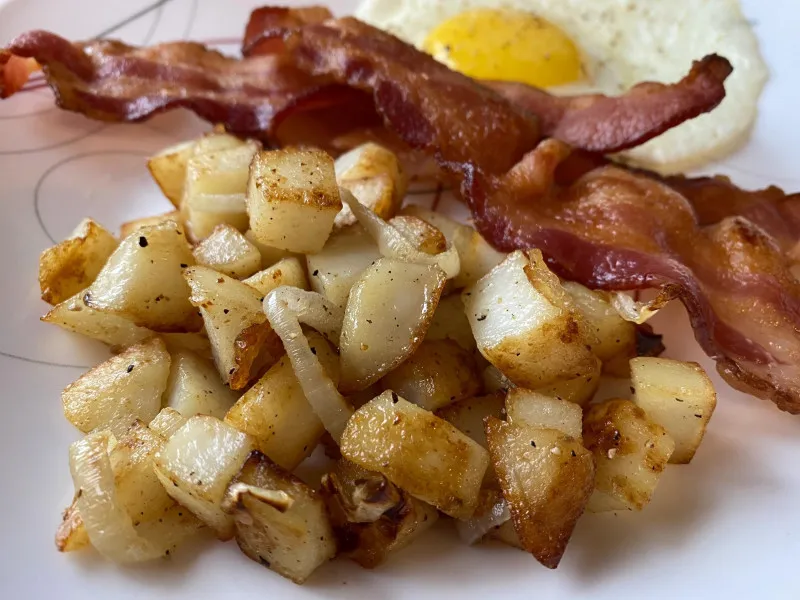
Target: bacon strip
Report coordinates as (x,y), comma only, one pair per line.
(14,72)
(609,229)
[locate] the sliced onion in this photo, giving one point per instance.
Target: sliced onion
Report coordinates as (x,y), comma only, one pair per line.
(107,523)
(393,244)
(286,308)
(472,530)
(639,312)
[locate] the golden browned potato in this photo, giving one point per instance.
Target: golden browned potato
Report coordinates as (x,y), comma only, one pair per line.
(196,465)
(547,478)
(418,452)
(630,451)
(124,388)
(287,271)
(424,236)
(135,225)
(168,169)
(276,412)
(437,374)
(371,517)
(226,250)
(280,521)
(525,324)
(450,323)
(143,281)
(242,341)
(215,188)
(194,387)
(580,388)
(334,269)
(677,395)
(72,265)
(292,198)
(374,175)
(537,410)
(387,315)
(616,337)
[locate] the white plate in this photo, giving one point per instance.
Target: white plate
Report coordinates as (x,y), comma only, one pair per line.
(723,527)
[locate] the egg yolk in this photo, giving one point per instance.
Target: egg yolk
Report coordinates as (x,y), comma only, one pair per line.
(506,45)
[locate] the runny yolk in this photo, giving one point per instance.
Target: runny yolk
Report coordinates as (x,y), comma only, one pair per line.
(506,45)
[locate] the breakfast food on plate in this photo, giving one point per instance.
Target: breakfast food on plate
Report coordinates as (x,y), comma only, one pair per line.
(290,301)
(606,47)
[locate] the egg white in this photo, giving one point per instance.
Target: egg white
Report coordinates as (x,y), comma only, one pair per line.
(624,42)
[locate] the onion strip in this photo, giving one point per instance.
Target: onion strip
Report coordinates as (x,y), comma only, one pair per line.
(472,530)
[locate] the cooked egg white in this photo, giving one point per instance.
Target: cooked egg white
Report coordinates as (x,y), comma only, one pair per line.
(605,46)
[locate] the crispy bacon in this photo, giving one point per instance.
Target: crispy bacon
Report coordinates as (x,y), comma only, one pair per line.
(14,72)
(267,25)
(609,229)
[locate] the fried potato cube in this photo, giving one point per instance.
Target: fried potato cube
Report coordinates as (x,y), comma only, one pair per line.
(124,388)
(437,374)
(386,318)
(287,271)
(372,518)
(167,422)
(525,325)
(130,227)
(630,451)
(228,251)
(616,337)
(547,478)
(168,169)
(334,270)
(450,323)
(424,236)
(269,254)
(215,189)
(194,387)
(579,389)
(242,341)
(537,410)
(280,521)
(677,395)
(72,265)
(374,175)
(196,465)
(293,199)
(418,452)
(276,413)
(143,281)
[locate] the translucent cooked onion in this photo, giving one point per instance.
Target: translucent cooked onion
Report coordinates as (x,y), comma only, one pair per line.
(473,529)
(392,243)
(107,523)
(638,312)
(286,308)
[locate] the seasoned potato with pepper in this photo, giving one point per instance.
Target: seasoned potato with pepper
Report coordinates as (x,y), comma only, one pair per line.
(418,452)
(226,250)
(630,451)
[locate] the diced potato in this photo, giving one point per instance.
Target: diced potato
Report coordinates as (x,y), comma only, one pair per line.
(387,316)
(168,169)
(525,325)
(194,387)
(547,478)
(477,256)
(269,254)
(630,451)
(371,517)
(677,395)
(580,388)
(533,409)
(424,236)
(196,465)
(69,267)
(193,342)
(167,422)
(335,268)
(117,392)
(242,341)
(130,227)
(437,374)
(418,452)
(293,199)
(276,412)
(109,328)
(280,521)
(450,322)
(374,175)
(215,189)
(217,140)
(143,281)
(616,336)
(228,251)
(287,271)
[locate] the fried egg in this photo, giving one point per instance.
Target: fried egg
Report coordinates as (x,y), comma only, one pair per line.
(596,46)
